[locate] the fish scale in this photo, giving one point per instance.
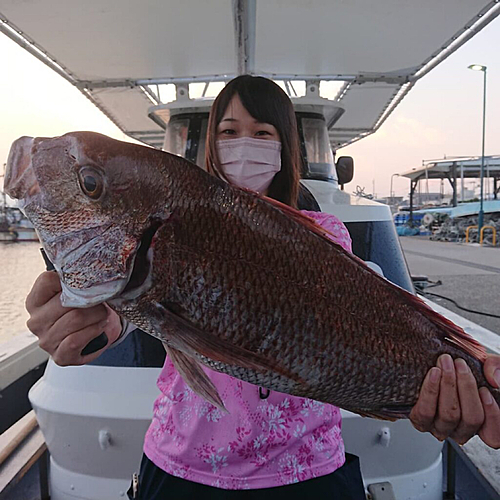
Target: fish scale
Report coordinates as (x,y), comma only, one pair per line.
(260,309)
(227,278)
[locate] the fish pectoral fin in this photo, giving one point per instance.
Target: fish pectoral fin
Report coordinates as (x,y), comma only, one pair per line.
(190,370)
(188,338)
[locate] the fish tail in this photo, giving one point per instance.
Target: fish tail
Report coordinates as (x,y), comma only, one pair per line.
(451,334)
(457,337)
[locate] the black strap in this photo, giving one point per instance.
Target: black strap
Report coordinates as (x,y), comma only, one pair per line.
(263,394)
(306,200)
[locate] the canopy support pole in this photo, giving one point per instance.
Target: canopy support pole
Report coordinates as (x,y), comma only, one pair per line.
(244,15)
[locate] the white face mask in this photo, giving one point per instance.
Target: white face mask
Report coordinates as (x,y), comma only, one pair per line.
(250,163)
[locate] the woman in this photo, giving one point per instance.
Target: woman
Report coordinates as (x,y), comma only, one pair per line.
(270,443)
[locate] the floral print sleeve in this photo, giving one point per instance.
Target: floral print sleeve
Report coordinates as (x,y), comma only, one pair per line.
(260,443)
(338,232)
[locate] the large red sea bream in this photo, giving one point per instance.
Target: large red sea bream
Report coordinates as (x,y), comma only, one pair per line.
(227,278)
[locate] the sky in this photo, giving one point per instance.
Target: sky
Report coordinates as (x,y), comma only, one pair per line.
(441,115)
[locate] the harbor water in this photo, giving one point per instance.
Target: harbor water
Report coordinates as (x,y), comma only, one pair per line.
(20,264)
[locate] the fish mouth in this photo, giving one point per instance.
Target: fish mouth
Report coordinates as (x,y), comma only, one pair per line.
(87,298)
(138,281)
(141,266)
(20,181)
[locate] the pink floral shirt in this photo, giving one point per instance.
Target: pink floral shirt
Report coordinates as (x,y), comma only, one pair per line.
(260,443)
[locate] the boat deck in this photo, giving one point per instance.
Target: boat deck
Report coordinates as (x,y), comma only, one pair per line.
(28,488)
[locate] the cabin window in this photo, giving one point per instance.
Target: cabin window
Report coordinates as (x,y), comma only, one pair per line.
(185,136)
(317,148)
(176,136)
(200,157)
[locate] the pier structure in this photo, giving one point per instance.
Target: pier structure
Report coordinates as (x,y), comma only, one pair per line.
(453,169)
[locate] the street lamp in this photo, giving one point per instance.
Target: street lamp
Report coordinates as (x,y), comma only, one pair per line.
(392,192)
(480,219)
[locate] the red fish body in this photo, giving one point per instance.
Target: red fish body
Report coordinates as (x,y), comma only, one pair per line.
(227,278)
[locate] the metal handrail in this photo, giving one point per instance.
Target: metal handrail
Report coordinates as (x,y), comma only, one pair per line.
(482,234)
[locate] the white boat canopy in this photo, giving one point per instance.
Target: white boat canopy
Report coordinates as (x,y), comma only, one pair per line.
(120,52)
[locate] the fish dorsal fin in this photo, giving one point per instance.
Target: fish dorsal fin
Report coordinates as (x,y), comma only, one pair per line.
(190,370)
(188,338)
(302,219)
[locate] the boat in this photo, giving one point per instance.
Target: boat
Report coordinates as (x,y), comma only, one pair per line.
(6,232)
(21,227)
(93,418)
(14,226)
(24,231)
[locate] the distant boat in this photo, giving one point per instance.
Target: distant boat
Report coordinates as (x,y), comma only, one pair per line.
(14,226)
(6,234)
(24,231)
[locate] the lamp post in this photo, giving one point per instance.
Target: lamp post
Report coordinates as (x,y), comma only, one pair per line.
(392,192)
(480,219)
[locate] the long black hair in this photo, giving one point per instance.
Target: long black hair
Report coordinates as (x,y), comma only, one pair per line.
(267,103)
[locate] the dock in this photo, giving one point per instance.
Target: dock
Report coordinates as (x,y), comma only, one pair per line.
(469,273)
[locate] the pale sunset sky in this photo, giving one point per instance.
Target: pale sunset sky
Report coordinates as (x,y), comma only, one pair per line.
(442,114)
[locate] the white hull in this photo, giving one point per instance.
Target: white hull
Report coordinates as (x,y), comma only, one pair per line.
(111,409)
(94,420)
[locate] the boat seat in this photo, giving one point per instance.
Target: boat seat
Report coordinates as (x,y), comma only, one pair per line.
(306,200)
(21,446)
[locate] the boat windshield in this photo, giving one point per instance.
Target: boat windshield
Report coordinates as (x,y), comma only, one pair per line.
(186,134)
(176,136)
(318,153)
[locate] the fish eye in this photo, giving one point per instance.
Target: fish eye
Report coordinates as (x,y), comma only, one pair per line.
(91,182)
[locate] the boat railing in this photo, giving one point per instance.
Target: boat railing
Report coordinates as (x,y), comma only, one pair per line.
(21,446)
(454,453)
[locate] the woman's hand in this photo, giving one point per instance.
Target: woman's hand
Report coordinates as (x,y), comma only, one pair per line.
(450,404)
(64,332)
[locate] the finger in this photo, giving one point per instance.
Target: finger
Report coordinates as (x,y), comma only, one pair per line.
(472,414)
(42,318)
(448,415)
(78,319)
(69,351)
(490,431)
(424,412)
(492,370)
(73,320)
(45,287)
